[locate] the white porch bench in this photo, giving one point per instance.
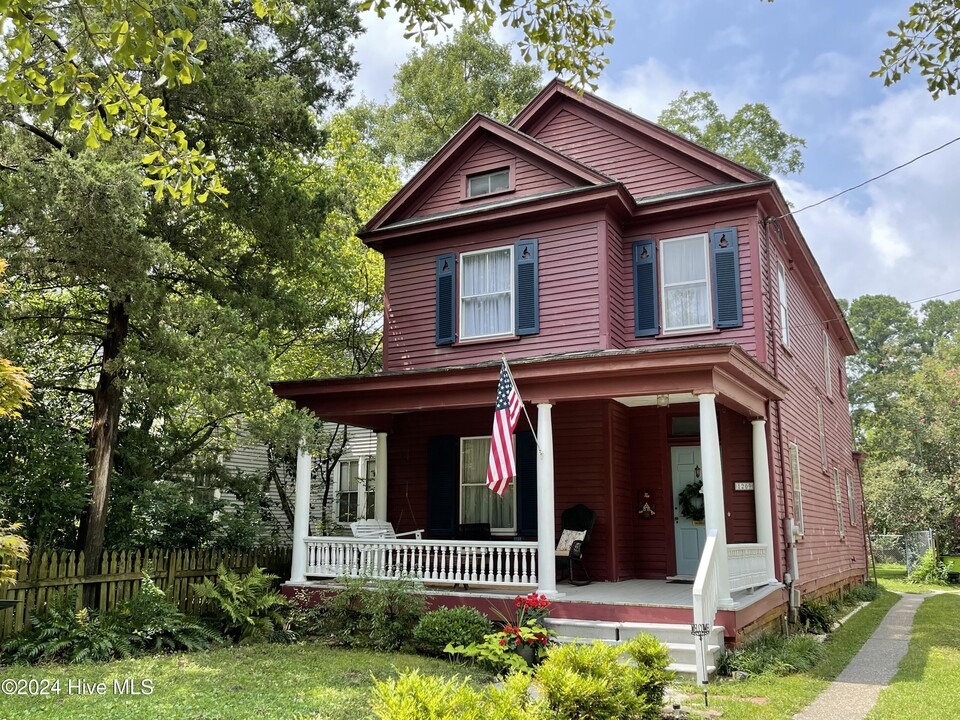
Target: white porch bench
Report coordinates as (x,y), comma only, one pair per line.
(371,529)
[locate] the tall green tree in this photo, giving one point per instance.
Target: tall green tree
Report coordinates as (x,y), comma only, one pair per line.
(927,40)
(441,87)
(106,67)
(751,136)
(165,314)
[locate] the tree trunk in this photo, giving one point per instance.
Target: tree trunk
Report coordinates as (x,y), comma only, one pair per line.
(102,440)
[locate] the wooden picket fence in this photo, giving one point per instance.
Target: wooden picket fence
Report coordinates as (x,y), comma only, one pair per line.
(45,575)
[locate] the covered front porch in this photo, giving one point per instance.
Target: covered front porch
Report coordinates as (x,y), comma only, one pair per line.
(616,431)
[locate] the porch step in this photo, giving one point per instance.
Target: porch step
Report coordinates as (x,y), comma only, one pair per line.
(675,637)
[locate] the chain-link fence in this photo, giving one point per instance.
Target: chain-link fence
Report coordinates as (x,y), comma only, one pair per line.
(906,549)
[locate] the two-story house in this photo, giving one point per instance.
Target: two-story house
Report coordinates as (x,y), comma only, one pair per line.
(670,334)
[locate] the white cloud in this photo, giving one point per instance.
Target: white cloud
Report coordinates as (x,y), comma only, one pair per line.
(899,235)
(645,89)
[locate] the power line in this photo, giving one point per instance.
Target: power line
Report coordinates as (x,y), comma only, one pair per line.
(867,182)
(932,297)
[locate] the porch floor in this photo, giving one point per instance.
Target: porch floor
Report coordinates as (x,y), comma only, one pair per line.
(644,593)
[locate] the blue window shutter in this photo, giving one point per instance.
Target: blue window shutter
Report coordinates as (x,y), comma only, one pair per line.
(446,298)
(726,277)
(526,484)
(527,300)
(646,316)
(443,485)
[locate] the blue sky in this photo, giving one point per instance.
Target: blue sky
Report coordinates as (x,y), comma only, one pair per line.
(810,61)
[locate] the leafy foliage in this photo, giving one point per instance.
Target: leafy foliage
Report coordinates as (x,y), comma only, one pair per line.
(13,548)
(816,617)
(928,40)
(245,607)
(14,386)
(156,624)
(460,625)
(380,614)
(772,655)
(62,633)
(751,136)
(440,88)
(568,35)
(929,570)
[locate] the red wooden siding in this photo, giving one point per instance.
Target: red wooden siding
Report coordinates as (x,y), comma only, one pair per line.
(744,221)
(626,496)
(568,290)
(529,179)
(736,450)
(620,284)
(644,166)
(653,551)
(822,553)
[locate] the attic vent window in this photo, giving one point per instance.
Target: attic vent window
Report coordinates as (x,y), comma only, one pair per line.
(487,183)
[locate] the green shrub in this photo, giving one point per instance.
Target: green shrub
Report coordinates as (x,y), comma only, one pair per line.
(772,655)
(245,607)
(13,548)
(61,633)
(928,570)
(413,696)
(867,592)
(590,681)
(653,656)
(459,626)
(816,617)
(156,624)
(379,615)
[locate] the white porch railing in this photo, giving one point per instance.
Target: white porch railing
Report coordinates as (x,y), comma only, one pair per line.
(706,601)
(747,563)
(486,562)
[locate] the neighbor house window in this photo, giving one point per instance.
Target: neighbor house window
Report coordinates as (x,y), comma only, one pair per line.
(839,496)
(486,293)
(797,494)
(685,284)
(490,182)
(479,504)
(827,374)
(355,496)
(784,314)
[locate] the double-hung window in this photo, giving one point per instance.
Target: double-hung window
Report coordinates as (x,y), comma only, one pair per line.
(685,284)
(797,489)
(784,312)
(355,495)
(488,182)
(478,504)
(486,293)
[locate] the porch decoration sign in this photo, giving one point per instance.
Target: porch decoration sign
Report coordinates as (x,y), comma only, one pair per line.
(503,464)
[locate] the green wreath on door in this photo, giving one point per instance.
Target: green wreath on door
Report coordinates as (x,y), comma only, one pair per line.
(691,501)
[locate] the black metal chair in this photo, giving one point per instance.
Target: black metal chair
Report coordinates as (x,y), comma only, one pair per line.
(577,525)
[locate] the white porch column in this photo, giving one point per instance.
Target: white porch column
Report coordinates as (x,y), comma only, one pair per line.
(546,532)
(380,486)
(301,516)
(714,511)
(761,494)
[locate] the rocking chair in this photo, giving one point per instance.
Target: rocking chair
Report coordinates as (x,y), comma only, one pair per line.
(577,524)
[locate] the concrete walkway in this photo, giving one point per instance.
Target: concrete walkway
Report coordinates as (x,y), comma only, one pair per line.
(855,691)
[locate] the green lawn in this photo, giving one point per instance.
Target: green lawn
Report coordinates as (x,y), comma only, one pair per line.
(927,686)
(894,578)
(776,698)
(262,681)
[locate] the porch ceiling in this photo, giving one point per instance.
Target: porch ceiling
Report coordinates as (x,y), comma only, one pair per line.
(372,400)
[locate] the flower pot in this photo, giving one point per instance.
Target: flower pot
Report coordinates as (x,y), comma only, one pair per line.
(528,653)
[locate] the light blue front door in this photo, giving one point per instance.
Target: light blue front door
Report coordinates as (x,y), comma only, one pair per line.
(689,535)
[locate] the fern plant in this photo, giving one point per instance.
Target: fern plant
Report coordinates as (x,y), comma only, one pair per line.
(246,607)
(61,633)
(156,624)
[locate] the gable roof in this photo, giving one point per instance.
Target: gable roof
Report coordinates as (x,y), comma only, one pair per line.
(556,94)
(456,149)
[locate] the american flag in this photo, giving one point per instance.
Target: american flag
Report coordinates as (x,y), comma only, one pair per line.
(503,464)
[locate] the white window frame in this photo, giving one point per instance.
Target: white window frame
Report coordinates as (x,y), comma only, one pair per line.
(784,305)
(512,488)
(364,465)
(488,176)
(823,435)
(851,502)
(839,496)
(513,295)
(797,489)
(708,325)
(828,375)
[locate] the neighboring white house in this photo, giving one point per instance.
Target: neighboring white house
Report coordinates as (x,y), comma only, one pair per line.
(352,495)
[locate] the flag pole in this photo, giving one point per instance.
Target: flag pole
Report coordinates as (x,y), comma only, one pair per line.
(503,356)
